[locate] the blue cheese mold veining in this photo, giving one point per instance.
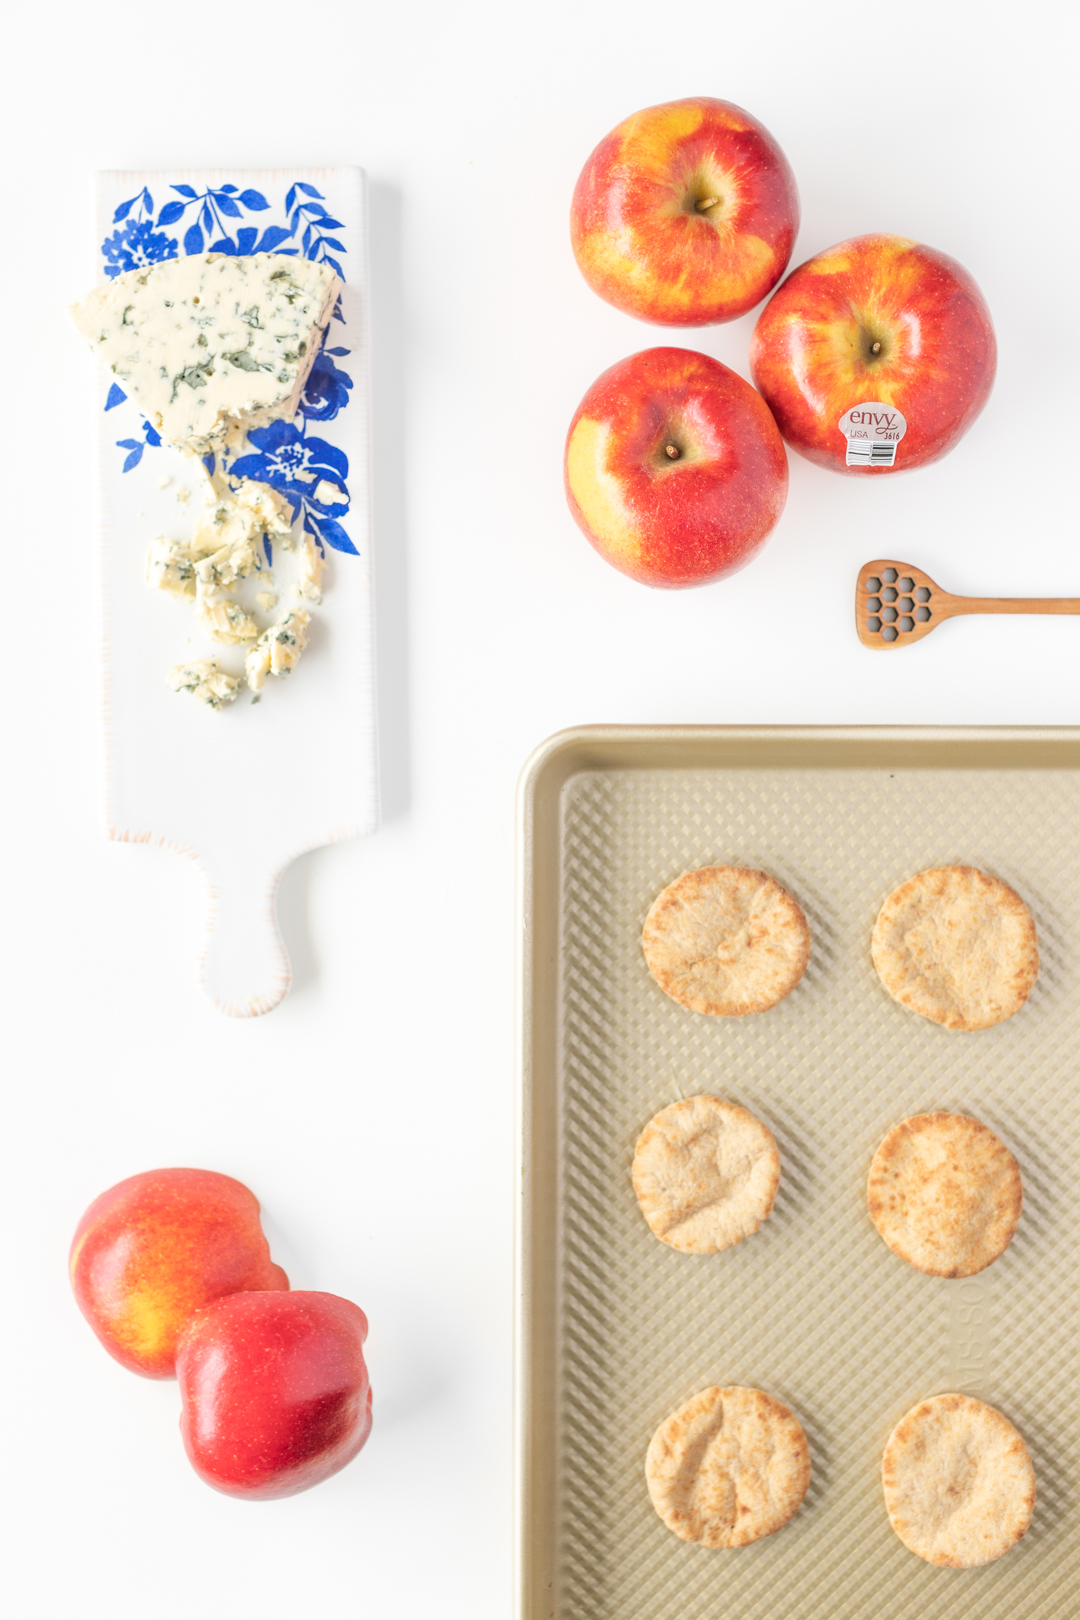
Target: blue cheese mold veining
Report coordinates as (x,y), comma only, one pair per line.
(212,343)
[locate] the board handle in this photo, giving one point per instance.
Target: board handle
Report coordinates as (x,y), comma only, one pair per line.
(244,967)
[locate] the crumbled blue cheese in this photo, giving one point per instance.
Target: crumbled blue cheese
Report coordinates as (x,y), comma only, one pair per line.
(309,578)
(329,494)
(205,680)
(249,510)
(212,344)
(222,619)
(170,567)
(227,546)
(228,540)
(277,651)
(265,600)
(227,565)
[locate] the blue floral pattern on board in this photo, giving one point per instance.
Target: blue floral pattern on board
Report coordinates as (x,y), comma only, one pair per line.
(135,447)
(327,389)
(308,472)
(217,220)
(136,246)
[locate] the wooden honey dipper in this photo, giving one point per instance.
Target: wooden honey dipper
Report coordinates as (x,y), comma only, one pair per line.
(896,604)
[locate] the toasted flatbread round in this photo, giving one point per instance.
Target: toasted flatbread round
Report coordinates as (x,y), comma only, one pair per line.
(705,1174)
(957,946)
(729,1467)
(959,1485)
(945,1194)
(726,940)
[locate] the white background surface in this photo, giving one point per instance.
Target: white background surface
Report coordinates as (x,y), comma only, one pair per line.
(373,1112)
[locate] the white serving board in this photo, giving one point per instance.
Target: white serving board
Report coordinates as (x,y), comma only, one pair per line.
(244,790)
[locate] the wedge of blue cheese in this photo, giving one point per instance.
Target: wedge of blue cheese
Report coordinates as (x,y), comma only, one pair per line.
(211,345)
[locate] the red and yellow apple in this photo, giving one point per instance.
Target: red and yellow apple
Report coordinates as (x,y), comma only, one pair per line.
(674,468)
(155,1248)
(274,1391)
(879,322)
(686,214)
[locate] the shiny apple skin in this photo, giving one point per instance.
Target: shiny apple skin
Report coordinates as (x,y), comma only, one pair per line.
(675,523)
(810,357)
(155,1248)
(274,1391)
(637,237)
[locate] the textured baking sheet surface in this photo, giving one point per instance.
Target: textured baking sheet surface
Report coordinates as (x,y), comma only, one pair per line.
(814,1308)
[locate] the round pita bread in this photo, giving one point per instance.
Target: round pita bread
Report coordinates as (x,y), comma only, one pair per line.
(959,1485)
(945,1194)
(957,946)
(729,1467)
(726,940)
(705,1174)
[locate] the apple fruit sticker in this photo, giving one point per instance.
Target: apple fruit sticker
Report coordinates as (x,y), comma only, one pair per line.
(686,214)
(674,468)
(875,356)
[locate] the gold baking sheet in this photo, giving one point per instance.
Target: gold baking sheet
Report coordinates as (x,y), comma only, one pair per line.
(615,1329)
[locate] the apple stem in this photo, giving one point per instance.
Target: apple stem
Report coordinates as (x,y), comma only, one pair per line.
(709,202)
(672,452)
(875,348)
